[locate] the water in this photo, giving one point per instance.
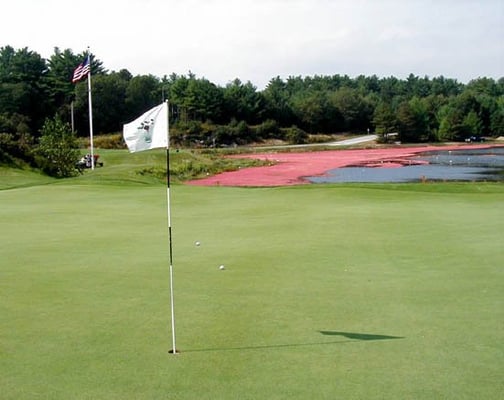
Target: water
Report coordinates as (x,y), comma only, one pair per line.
(454,165)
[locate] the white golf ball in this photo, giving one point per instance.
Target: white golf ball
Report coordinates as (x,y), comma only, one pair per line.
(222,267)
(197,243)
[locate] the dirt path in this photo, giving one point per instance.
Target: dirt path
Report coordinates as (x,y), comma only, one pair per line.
(290,168)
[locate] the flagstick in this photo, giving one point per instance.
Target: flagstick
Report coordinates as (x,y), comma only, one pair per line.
(174,348)
(90,116)
(135,136)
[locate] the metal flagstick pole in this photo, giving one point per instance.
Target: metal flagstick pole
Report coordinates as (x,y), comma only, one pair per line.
(172,305)
(90,114)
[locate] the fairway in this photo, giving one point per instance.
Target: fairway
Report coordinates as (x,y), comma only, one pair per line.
(329,292)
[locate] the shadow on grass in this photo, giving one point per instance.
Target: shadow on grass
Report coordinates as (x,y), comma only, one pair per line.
(360,336)
(351,337)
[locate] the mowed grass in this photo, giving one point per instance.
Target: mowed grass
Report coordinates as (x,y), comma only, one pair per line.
(329,292)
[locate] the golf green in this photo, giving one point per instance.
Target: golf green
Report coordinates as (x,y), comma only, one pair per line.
(328,292)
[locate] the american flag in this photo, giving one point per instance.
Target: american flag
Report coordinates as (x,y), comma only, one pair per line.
(82,70)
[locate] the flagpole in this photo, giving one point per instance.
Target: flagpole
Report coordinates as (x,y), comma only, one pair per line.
(90,114)
(72,116)
(168,198)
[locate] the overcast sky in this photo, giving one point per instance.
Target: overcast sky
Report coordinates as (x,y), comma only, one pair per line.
(257,40)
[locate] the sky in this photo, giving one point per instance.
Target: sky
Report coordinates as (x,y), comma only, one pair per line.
(258,40)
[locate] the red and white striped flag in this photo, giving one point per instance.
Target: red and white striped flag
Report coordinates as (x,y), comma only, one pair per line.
(82,70)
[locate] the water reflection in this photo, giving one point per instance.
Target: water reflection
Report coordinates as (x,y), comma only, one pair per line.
(454,165)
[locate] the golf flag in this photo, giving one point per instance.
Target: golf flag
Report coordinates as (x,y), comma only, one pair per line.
(82,70)
(149,131)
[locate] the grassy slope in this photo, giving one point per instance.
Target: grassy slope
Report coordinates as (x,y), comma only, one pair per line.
(121,168)
(16,178)
(85,301)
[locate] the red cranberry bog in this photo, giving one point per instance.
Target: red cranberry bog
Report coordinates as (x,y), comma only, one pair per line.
(290,168)
(332,291)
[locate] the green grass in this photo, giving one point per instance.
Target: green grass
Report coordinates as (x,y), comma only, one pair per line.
(329,292)
(121,168)
(150,167)
(16,178)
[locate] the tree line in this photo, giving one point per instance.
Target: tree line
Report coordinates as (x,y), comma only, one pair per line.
(418,109)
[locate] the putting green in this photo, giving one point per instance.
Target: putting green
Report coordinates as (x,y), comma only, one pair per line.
(343,291)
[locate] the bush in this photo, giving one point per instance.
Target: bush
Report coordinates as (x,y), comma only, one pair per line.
(268,129)
(58,149)
(186,133)
(112,141)
(16,146)
(295,135)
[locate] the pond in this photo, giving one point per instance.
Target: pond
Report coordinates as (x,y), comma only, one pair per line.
(454,165)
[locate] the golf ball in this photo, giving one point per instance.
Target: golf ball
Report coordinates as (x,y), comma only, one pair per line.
(197,243)
(222,267)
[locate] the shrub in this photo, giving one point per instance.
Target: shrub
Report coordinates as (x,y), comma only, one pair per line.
(58,149)
(295,135)
(112,141)
(268,129)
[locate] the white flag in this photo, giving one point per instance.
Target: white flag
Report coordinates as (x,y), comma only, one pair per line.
(149,131)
